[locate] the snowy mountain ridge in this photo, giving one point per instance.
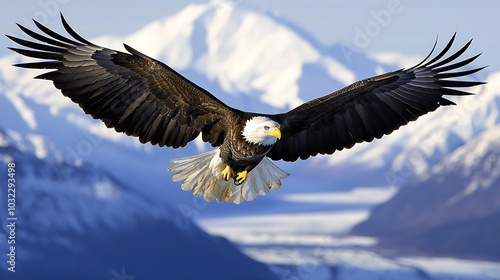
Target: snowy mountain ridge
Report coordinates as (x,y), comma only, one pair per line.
(460,194)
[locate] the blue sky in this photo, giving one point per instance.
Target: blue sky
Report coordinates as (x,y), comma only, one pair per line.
(405,26)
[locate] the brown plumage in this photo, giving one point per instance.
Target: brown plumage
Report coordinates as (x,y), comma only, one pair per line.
(142,97)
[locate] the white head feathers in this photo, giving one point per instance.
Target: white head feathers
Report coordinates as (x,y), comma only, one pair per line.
(261,130)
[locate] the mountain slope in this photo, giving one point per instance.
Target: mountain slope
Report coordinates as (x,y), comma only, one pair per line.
(79,222)
(452,210)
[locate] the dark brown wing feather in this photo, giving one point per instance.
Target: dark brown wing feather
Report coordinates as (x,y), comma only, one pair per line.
(370,108)
(133,93)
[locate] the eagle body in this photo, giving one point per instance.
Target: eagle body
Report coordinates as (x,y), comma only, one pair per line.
(240,155)
(142,97)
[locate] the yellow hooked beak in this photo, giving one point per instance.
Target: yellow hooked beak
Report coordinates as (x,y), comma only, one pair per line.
(274,131)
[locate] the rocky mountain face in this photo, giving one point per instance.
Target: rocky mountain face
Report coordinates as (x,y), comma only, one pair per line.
(453,210)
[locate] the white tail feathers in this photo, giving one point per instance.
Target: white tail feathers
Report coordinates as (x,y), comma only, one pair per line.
(202,174)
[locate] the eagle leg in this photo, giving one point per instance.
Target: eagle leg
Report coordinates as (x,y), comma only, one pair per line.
(242,176)
(227,173)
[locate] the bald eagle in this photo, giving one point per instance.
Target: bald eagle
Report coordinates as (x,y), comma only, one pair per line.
(140,96)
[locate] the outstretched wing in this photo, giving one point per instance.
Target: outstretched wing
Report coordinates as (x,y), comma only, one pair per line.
(131,92)
(370,108)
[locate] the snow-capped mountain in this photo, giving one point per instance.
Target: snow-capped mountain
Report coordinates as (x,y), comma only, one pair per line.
(451,210)
(79,222)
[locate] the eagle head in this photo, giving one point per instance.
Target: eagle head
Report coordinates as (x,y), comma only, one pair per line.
(261,130)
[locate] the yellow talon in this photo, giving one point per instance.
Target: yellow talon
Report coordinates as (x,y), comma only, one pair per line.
(227,173)
(242,176)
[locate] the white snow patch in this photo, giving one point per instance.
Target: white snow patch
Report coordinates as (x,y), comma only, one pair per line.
(353,258)
(4,141)
(6,159)
(338,71)
(315,222)
(379,70)
(97,130)
(303,240)
(18,140)
(38,143)
(368,195)
(399,59)
(105,190)
(26,113)
(488,270)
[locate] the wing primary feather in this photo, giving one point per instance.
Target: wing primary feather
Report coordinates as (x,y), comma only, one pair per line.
(443,52)
(48,76)
(34,45)
(42,38)
(445,102)
(450,91)
(37,54)
(447,83)
(73,33)
(428,55)
(422,83)
(456,65)
(53,34)
(458,74)
(40,65)
(451,57)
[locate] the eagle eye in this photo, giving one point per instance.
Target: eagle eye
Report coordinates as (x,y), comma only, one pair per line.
(266,127)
